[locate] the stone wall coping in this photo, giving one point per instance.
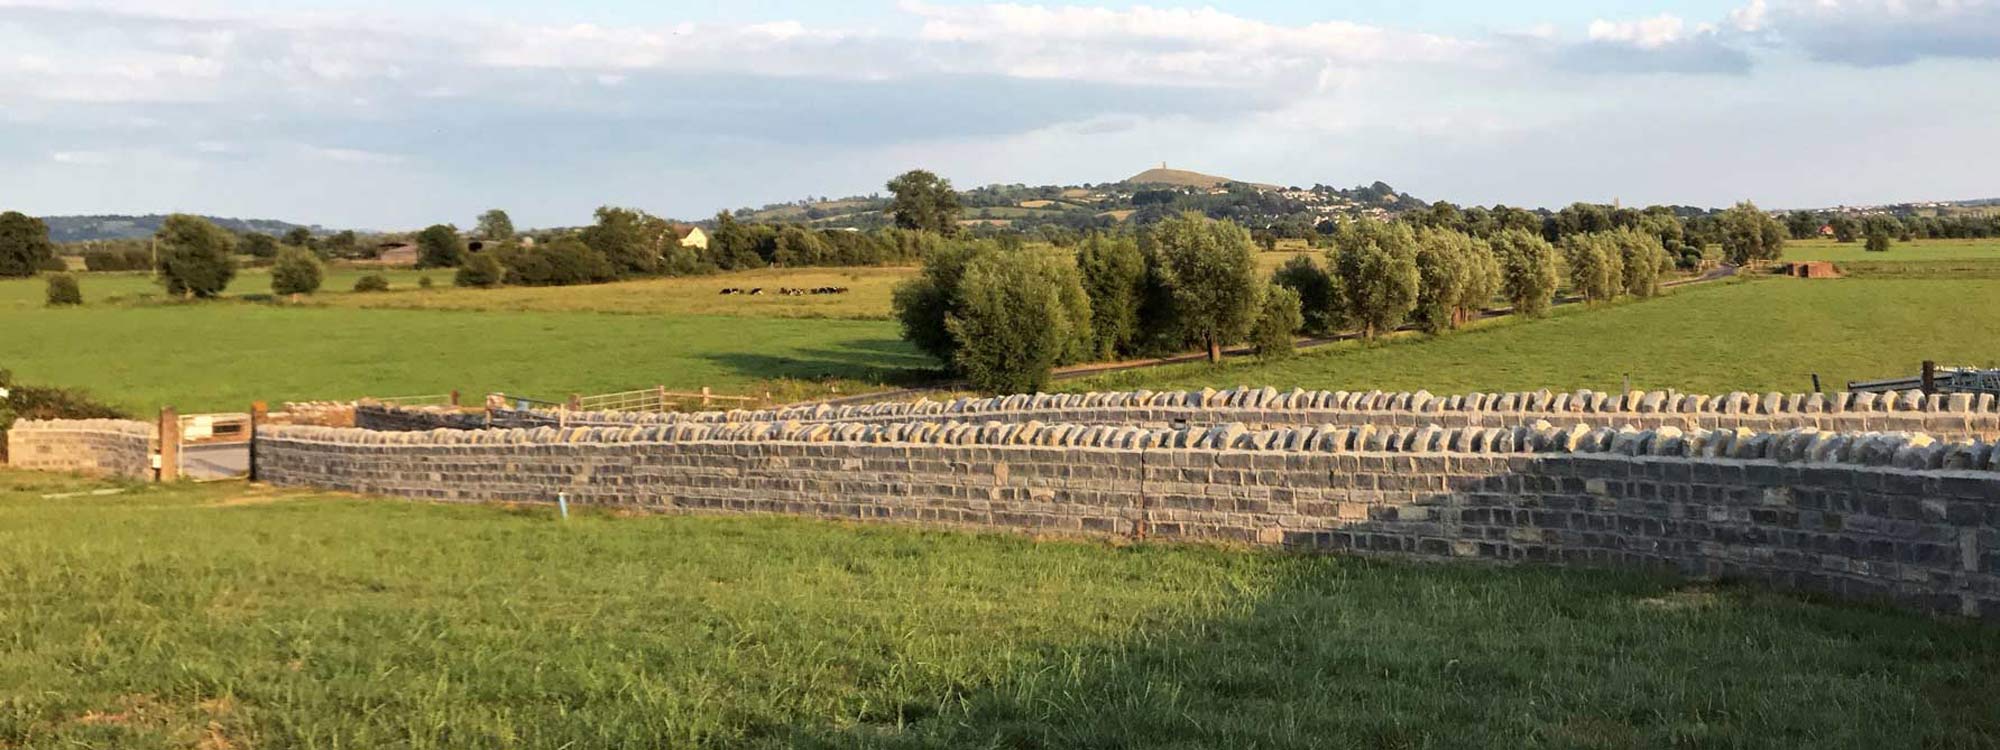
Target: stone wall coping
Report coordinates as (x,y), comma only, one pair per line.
(1907,450)
(1269,399)
(120,426)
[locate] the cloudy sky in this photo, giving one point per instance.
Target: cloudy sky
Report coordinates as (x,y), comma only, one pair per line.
(383,114)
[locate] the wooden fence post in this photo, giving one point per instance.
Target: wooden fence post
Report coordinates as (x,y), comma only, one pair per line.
(258,413)
(661,392)
(705,400)
(454,397)
(170,444)
(1930,377)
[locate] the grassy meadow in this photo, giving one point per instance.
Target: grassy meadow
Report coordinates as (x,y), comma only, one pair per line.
(1750,335)
(548,342)
(1915,251)
(227,615)
(867,297)
(222,355)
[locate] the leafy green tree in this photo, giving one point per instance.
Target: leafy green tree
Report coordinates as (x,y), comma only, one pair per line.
(1375,268)
(1530,270)
(496,226)
(564,261)
(1749,235)
(1878,241)
(1210,270)
(342,244)
(923,200)
(195,256)
(1483,280)
(799,246)
(1643,259)
(735,245)
(373,282)
(1020,314)
(24,244)
(299,237)
(438,246)
(1114,276)
(628,239)
(261,245)
(1845,228)
(482,270)
(1596,267)
(1319,305)
(924,303)
(63,291)
(1277,323)
(297,271)
(1444,269)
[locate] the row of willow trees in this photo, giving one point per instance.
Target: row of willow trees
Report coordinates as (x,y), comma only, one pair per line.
(1004,316)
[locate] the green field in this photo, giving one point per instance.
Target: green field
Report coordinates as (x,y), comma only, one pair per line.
(222,355)
(231,616)
(140,287)
(1769,334)
(867,298)
(1920,251)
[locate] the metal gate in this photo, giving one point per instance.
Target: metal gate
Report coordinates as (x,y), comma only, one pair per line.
(214,446)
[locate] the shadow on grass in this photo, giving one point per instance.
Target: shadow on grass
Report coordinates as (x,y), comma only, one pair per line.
(901,369)
(1344,652)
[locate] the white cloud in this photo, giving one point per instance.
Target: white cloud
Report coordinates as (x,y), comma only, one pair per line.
(351,155)
(1650,33)
(81,158)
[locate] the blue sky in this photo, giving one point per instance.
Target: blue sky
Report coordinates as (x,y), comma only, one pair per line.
(399,114)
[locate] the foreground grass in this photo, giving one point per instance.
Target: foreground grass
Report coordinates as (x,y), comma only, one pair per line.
(223,355)
(1770,334)
(246,617)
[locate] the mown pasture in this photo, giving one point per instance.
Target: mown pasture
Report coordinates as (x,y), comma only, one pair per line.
(1748,335)
(226,615)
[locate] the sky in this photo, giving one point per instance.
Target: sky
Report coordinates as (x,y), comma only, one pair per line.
(394,115)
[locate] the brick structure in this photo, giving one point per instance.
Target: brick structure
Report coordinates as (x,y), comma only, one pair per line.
(1895,517)
(108,447)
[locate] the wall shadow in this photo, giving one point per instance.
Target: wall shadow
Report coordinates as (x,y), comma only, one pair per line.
(1329,650)
(1350,652)
(819,365)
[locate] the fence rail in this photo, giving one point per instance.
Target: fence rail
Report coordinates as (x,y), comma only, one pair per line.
(657,398)
(436,399)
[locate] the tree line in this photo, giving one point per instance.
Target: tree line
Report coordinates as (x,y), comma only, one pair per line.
(1002,315)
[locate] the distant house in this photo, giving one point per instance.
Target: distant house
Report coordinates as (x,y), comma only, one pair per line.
(1826,230)
(691,236)
(396,254)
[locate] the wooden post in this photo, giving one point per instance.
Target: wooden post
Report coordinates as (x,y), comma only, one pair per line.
(576,402)
(258,413)
(170,444)
(1815,377)
(705,400)
(660,391)
(454,397)
(1930,377)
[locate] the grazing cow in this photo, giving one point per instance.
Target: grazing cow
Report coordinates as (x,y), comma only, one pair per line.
(731,290)
(755,290)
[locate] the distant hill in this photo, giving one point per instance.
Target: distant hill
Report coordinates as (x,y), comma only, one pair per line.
(114,227)
(1183,178)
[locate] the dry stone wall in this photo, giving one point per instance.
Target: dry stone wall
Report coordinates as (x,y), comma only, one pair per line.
(1896,516)
(111,447)
(1948,416)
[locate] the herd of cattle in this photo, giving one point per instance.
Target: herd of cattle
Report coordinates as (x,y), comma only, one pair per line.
(788,291)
